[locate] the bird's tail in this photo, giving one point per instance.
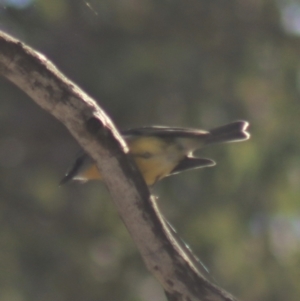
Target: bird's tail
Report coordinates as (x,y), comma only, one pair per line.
(235,131)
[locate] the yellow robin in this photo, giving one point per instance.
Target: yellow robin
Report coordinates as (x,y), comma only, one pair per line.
(161,151)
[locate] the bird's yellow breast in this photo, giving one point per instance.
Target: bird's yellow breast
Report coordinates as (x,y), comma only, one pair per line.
(90,173)
(154,157)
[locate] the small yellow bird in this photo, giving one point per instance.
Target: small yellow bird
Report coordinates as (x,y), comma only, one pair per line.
(163,151)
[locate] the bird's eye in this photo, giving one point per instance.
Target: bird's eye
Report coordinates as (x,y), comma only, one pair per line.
(146,155)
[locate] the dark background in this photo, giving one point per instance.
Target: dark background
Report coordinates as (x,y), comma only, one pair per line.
(191,63)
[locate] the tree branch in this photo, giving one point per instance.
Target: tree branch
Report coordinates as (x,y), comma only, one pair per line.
(165,257)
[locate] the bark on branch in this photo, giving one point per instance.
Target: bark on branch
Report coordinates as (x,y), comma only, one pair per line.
(168,260)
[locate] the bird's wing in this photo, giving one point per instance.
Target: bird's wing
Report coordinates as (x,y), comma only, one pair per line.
(192,163)
(164,131)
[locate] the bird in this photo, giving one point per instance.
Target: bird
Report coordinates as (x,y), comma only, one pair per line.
(162,151)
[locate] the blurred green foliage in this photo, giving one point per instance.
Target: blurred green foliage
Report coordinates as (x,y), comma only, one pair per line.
(188,63)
